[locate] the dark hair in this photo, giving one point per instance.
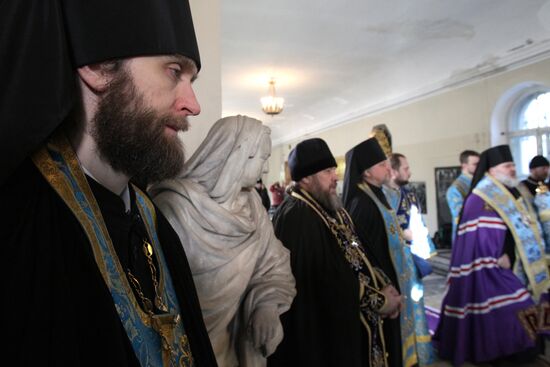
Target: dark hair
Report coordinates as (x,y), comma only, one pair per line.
(395,160)
(467,153)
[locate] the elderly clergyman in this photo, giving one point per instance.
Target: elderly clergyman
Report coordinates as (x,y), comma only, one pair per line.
(498,271)
(336,317)
(93,96)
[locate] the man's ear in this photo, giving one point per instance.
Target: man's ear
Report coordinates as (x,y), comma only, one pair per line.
(96,77)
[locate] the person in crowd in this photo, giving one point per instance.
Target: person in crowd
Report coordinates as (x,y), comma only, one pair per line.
(367,170)
(461,186)
(538,174)
(241,271)
(408,211)
(262,191)
(336,317)
(536,190)
(498,271)
(93,100)
(277,194)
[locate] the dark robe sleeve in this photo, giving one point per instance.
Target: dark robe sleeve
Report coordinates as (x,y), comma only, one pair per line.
(370,228)
(57,309)
(322,327)
(187,296)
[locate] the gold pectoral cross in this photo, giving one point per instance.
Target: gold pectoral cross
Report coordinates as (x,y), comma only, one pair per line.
(165,325)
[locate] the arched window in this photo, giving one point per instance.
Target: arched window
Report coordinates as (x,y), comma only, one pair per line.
(529,130)
(521,118)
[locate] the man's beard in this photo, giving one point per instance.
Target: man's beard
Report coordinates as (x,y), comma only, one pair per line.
(329,201)
(131,137)
(399,182)
(506,180)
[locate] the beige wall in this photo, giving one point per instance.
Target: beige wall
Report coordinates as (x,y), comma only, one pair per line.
(433,131)
(206,18)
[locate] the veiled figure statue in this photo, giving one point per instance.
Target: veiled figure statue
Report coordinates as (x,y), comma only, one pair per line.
(241,270)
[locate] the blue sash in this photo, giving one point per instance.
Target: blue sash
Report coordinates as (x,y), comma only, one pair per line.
(415,337)
(542,203)
(462,183)
(58,164)
(455,198)
(522,222)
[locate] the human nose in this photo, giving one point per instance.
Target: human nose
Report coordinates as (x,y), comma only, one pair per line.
(186,100)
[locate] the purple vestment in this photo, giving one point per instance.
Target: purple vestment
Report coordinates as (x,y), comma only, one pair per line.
(479,314)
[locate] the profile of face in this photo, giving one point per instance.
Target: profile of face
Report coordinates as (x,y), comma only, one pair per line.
(471,164)
(257,164)
(140,114)
(539,173)
(403,174)
(322,185)
(505,173)
(379,174)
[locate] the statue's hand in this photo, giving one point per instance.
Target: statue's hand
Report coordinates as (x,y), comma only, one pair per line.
(265,329)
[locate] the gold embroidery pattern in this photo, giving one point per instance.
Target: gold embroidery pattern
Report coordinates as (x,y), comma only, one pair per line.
(342,229)
(58,145)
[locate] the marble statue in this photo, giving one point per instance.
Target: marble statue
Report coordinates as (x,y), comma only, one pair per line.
(241,270)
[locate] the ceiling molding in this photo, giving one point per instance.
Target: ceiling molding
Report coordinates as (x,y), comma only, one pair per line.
(516,58)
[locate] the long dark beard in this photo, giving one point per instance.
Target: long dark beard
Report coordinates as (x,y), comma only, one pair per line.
(130,136)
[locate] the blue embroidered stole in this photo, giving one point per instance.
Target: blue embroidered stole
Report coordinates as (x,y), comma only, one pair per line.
(541,201)
(415,337)
(58,164)
(522,222)
(462,183)
(393,196)
(462,186)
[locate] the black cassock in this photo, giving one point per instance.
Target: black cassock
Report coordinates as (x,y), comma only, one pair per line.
(323,326)
(57,309)
(371,229)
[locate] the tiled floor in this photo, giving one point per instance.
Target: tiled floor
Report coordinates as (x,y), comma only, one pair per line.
(434,288)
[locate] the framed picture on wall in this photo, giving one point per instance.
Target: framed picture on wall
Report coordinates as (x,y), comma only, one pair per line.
(419,189)
(444,177)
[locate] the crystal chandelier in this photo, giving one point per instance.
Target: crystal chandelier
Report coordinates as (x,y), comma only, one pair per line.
(271,104)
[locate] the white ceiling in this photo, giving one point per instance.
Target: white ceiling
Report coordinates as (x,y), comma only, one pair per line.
(335,61)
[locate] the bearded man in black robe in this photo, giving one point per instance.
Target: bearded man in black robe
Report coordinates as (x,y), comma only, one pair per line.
(336,317)
(371,227)
(367,169)
(93,274)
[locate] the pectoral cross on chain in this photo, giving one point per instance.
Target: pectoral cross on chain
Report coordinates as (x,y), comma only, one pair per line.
(165,325)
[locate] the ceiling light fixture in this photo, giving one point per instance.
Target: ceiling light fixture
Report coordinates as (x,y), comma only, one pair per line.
(271,104)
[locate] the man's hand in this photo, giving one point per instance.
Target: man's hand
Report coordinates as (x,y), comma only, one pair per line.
(407,234)
(504,262)
(265,329)
(394,302)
